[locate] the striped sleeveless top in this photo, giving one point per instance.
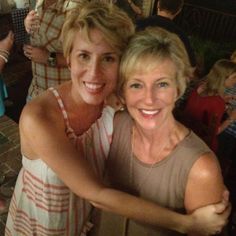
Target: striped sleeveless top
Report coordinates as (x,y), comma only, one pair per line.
(42,204)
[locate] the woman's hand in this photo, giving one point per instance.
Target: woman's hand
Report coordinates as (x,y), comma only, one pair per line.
(231,112)
(232,115)
(36,54)
(210,219)
(229,98)
(7,43)
(135,8)
(31,22)
(5,47)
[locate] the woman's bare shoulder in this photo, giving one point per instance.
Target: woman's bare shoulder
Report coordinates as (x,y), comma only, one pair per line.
(41,110)
(207,166)
(205,183)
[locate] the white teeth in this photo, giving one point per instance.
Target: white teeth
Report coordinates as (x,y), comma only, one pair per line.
(148,112)
(93,86)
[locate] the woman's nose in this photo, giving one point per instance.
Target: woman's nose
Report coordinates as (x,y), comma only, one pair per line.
(95,68)
(149,96)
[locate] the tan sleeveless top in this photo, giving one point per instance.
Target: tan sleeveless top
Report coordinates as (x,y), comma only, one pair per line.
(163,183)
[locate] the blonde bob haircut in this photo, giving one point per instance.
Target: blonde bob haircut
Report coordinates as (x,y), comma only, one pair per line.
(215,79)
(114,23)
(150,47)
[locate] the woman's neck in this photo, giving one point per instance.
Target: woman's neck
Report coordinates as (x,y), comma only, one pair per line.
(165,14)
(163,130)
(151,147)
(81,114)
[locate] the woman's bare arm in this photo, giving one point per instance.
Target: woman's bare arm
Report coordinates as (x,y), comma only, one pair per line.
(5,47)
(231,118)
(40,55)
(135,8)
(205,183)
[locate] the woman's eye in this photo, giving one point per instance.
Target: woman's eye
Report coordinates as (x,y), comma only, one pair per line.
(135,86)
(163,84)
(84,56)
(109,59)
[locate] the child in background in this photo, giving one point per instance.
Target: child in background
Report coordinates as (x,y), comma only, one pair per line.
(227,138)
(206,105)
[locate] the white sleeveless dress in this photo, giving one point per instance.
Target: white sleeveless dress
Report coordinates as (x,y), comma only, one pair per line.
(42,204)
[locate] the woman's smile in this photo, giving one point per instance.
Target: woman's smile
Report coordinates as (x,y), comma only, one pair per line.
(94,87)
(149,113)
(150,96)
(94,67)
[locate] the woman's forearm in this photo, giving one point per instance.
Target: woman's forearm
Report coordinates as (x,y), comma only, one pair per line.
(2,63)
(141,210)
(135,8)
(225,124)
(203,221)
(43,56)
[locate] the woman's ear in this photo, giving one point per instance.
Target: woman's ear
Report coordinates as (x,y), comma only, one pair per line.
(177,94)
(68,62)
(122,100)
(122,103)
(114,101)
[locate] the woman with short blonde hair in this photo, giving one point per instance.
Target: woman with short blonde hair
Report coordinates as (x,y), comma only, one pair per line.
(153,155)
(153,49)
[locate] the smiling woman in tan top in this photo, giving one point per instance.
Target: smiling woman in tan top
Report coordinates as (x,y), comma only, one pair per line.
(153,155)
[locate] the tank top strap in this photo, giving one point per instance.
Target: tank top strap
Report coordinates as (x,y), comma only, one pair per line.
(62,107)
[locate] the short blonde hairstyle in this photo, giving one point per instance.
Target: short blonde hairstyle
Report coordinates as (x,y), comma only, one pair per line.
(148,48)
(114,23)
(215,79)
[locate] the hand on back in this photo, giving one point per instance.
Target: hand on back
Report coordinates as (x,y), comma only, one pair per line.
(211,219)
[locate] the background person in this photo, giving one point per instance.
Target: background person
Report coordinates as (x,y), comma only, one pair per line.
(5,48)
(69,126)
(166,11)
(132,7)
(44,24)
(227,138)
(205,107)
